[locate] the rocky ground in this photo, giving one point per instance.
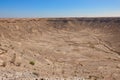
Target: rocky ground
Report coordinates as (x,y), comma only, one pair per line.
(63,48)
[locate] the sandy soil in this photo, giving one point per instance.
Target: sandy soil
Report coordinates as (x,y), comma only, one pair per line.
(81,48)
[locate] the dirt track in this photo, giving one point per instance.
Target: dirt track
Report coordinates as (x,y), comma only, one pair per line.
(86,48)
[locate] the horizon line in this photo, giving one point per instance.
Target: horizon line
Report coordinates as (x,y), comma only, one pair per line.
(60,17)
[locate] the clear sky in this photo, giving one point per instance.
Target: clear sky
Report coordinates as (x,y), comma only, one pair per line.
(59,8)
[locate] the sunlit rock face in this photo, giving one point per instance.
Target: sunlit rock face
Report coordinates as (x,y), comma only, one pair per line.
(86,48)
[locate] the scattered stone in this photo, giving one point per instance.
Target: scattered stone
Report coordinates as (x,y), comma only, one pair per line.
(2,63)
(13,59)
(36,74)
(18,64)
(2,51)
(93,77)
(118,66)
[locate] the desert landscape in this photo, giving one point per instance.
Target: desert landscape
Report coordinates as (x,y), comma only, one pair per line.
(60,48)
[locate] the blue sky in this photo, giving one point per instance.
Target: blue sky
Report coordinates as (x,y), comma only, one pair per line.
(59,8)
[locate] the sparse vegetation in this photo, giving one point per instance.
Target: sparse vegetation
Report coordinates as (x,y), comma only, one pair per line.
(32,62)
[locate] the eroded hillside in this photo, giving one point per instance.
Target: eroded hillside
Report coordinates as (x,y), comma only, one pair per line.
(86,48)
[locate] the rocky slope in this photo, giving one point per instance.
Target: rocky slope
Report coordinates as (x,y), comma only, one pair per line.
(87,48)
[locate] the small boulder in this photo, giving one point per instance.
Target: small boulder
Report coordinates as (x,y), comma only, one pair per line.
(2,63)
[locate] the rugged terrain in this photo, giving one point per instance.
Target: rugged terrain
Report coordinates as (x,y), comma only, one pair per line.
(84,48)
